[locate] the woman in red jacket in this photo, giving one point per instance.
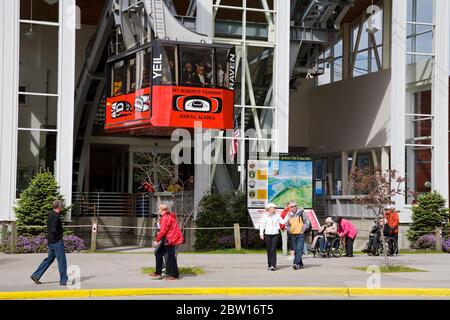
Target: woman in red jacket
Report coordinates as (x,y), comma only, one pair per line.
(346,230)
(169,236)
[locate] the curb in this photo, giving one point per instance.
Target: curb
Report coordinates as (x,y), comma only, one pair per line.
(245,291)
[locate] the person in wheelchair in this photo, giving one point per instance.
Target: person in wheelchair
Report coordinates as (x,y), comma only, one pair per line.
(374,238)
(322,240)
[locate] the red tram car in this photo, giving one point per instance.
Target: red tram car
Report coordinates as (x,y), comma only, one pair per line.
(172,85)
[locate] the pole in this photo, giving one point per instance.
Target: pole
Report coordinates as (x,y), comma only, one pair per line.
(438,239)
(94,235)
(13,237)
(4,232)
(237,236)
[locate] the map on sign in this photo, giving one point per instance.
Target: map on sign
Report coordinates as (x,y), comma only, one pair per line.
(280,181)
(290,180)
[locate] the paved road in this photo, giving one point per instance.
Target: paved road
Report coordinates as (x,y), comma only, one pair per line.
(107,270)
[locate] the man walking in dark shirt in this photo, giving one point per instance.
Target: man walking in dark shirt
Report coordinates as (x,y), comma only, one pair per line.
(55,246)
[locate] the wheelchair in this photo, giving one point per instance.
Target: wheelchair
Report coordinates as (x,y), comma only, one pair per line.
(334,247)
(389,245)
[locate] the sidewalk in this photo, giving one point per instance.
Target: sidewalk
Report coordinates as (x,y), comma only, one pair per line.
(226,271)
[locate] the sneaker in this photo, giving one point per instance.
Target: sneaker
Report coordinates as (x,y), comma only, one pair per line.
(295,266)
(273,268)
(269,268)
(36,280)
(290,258)
(155,276)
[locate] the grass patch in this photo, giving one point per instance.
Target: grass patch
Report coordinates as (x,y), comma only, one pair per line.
(392,269)
(184,270)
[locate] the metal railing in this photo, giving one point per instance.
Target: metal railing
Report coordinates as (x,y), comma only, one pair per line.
(109,204)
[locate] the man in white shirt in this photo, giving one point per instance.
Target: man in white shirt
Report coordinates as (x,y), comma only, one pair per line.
(269,229)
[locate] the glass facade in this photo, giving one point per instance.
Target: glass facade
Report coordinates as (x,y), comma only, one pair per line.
(38,89)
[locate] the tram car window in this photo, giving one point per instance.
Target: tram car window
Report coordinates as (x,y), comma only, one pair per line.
(169,67)
(131,81)
(119,76)
(198,66)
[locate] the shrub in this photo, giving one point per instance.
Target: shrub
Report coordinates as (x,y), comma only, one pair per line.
(36,244)
(425,242)
(221,210)
(446,245)
(39,244)
(35,203)
(430,214)
(73,243)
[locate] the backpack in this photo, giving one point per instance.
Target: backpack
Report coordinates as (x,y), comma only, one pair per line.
(296,224)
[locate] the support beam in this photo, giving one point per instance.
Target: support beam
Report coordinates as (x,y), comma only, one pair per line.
(9,84)
(282,78)
(398,100)
(205,17)
(64,155)
(440,100)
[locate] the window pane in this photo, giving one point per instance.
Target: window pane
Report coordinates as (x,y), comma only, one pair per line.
(337,168)
(418,130)
(222,68)
(36,151)
(169,65)
(421,103)
(145,59)
(361,65)
(39,10)
(424,10)
(119,78)
(338,49)
(364,41)
(39,58)
(325,78)
(131,74)
(364,162)
(374,64)
(418,171)
(338,69)
(197,66)
(36,112)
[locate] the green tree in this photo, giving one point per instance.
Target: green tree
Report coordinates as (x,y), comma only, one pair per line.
(219,210)
(430,214)
(35,203)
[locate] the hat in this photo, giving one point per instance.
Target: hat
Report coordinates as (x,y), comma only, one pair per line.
(271,205)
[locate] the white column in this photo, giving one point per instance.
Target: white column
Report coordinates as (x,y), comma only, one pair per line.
(9,83)
(202,169)
(66,80)
(398,94)
(384,159)
(282,76)
(440,99)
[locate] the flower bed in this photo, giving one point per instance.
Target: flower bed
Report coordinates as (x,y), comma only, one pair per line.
(39,244)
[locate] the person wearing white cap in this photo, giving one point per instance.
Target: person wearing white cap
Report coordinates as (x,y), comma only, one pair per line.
(329,230)
(269,229)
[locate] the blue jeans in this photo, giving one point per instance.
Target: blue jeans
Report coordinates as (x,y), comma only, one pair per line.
(55,250)
(323,243)
(298,243)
